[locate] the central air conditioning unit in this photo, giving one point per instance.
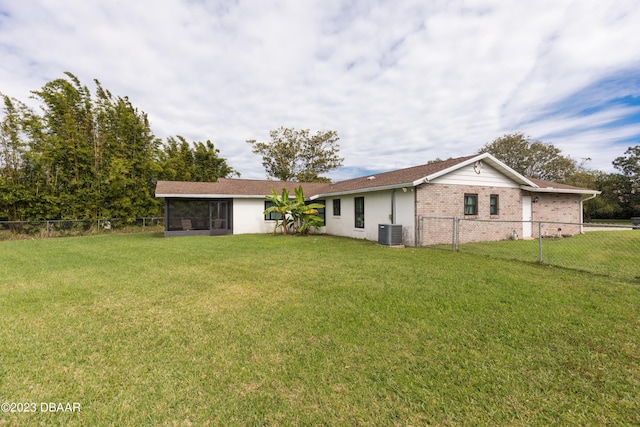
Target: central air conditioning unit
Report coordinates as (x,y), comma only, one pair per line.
(390,234)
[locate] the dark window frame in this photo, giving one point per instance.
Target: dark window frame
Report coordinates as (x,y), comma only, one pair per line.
(471,204)
(358,210)
(322,212)
(336,207)
(271,216)
(494,204)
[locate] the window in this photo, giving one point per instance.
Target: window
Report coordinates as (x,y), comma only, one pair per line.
(493,204)
(336,207)
(271,216)
(321,211)
(471,204)
(359,212)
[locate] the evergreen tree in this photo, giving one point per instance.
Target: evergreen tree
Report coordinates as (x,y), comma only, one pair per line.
(200,162)
(87,157)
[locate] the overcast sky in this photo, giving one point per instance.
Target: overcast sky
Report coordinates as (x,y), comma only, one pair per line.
(402,82)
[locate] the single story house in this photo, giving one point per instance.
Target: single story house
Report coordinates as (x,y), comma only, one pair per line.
(478,187)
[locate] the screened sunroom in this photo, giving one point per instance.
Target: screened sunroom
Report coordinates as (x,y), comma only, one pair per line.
(186,217)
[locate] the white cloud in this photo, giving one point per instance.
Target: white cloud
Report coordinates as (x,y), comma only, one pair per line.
(401,82)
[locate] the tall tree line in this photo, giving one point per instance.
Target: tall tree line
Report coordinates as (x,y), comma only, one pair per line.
(87,156)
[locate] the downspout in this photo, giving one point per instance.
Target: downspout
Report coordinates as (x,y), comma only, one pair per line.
(393,206)
(417,220)
(593,196)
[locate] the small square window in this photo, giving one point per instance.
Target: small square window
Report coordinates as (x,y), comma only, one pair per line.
(271,216)
(471,204)
(493,204)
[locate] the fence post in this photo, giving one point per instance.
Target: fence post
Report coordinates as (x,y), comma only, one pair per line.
(540,241)
(456,234)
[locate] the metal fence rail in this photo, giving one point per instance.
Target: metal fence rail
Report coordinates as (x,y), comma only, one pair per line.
(68,227)
(607,249)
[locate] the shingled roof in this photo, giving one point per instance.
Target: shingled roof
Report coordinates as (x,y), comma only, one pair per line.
(554,187)
(225,187)
(394,178)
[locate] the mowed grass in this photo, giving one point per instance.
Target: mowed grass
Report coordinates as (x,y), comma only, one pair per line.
(614,253)
(317,330)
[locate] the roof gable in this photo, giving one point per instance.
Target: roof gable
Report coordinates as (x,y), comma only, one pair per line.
(416,175)
(490,160)
(393,179)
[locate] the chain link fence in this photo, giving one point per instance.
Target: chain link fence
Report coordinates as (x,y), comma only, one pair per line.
(74,227)
(606,249)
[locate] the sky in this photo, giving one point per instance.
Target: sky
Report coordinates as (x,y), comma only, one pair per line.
(402,82)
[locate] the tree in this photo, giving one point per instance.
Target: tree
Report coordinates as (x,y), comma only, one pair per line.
(13,191)
(200,162)
(62,146)
(87,156)
(208,165)
(602,206)
(294,155)
(125,157)
(609,204)
(533,159)
(629,180)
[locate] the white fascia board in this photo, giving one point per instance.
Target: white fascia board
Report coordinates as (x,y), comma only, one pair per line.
(362,190)
(490,159)
(421,181)
(211,196)
(558,190)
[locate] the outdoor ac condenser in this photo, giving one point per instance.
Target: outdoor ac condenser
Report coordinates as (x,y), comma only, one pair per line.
(390,234)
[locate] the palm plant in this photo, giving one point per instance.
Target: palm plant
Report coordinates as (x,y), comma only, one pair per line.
(294,214)
(303,215)
(281,205)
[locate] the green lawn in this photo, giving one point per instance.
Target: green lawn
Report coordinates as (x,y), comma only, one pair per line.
(276,330)
(613,253)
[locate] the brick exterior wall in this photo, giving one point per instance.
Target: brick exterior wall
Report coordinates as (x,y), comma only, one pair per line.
(447,201)
(559,208)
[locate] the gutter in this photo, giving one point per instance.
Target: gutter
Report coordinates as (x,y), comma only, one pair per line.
(559,190)
(212,196)
(593,196)
(363,190)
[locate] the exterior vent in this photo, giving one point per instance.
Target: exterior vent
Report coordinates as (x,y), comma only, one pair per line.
(390,234)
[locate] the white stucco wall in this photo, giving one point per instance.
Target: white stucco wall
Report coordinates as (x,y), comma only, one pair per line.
(248,217)
(377,210)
